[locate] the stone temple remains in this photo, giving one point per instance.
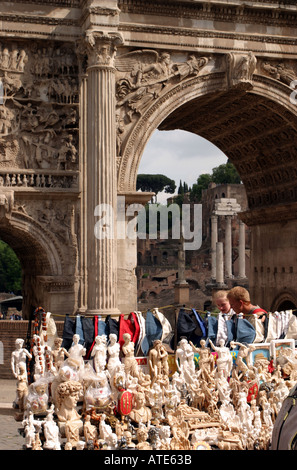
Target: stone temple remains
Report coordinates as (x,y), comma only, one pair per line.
(84,84)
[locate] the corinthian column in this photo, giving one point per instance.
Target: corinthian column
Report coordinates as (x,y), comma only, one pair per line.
(241,250)
(228,247)
(214,239)
(101,187)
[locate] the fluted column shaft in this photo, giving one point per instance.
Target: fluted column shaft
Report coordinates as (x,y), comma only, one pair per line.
(214,239)
(241,250)
(101,186)
(228,247)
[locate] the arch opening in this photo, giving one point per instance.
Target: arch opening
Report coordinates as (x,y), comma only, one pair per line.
(256,134)
(35,262)
(257,131)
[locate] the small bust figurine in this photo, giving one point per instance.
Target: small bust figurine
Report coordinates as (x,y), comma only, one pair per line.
(140,413)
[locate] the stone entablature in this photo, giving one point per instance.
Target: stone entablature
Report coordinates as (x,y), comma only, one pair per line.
(83,85)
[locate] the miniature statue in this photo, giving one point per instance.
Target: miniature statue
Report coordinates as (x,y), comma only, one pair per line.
(180,432)
(22,387)
(164,436)
(51,432)
(76,353)
(129,443)
(140,413)
(106,434)
(19,356)
(31,426)
(90,430)
(131,364)
(155,400)
(99,353)
(69,420)
(224,360)
(142,435)
(171,398)
(58,353)
(158,361)
(36,445)
(243,353)
(184,359)
(113,350)
(206,360)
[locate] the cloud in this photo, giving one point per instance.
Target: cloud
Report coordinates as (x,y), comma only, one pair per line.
(180,155)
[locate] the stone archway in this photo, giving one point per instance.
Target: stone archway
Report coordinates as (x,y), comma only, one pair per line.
(44,279)
(285,301)
(249,117)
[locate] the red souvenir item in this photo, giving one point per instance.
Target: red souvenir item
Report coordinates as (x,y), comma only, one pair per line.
(125,403)
(252,393)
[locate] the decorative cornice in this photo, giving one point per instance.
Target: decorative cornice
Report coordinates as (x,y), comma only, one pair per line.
(189,32)
(249,12)
(270,214)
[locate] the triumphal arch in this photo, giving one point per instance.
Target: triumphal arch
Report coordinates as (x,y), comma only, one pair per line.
(84,84)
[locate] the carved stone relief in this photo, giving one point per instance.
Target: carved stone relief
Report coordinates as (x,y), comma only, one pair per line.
(38,110)
(55,217)
(240,68)
(142,76)
(284,72)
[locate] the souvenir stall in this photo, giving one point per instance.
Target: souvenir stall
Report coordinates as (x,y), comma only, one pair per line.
(135,382)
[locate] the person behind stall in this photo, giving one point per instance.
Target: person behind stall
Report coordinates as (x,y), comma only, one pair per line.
(221,301)
(240,302)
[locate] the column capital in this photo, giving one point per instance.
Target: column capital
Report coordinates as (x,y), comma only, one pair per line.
(101,47)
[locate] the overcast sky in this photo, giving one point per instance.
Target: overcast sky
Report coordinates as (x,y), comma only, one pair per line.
(179,155)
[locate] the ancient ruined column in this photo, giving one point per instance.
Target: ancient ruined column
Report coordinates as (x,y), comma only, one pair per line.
(241,250)
(228,247)
(101,185)
(219,264)
(214,239)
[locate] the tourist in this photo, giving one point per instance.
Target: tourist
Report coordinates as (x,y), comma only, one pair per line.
(240,302)
(221,301)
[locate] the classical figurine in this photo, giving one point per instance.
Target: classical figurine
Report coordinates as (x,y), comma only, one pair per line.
(142,436)
(19,356)
(99,353)
(22,387)
(90,430)
(155,401)
(140,413)
(113,351)
(184,359)
(31,427)
(224,360)
(58,353)
(106,434)
(76,353)
(158,361)
(69,420)
(51,432)
(243,353)
(130,362)
(206,360)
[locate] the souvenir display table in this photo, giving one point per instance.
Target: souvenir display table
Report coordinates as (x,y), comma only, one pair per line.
(105,393)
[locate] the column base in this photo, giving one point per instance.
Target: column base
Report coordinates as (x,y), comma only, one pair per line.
(114,312)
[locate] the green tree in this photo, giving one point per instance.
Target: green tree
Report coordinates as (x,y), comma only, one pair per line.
(225,174)
(155,184)
(202,183)
(10,270)
(222,174)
